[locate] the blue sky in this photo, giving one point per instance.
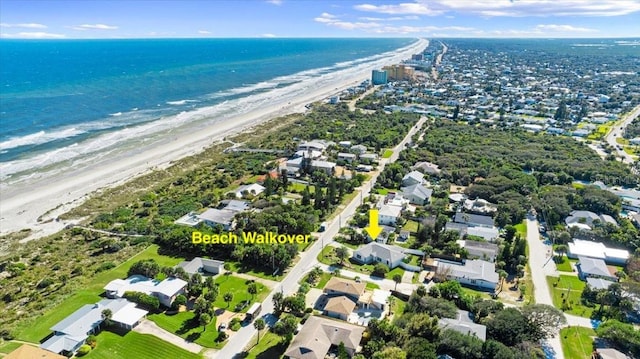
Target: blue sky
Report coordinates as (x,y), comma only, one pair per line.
(318,18)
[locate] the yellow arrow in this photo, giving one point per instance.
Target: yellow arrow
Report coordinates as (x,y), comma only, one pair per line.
(374,229)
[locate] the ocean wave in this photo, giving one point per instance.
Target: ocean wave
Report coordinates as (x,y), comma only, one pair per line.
(180,102)
(39,138)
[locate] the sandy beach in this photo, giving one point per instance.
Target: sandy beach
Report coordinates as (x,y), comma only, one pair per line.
(37,204)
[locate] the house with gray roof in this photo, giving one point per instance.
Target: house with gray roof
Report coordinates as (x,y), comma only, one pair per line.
(585,219)
(417,194)
(474,273)
(598,283)
(477,249)
(375,252)
(71,332)
(411,178)
(166,291)
(473,220)
(318,335)
(202,265)
(427,167)
(223,217)
(594,268)
(464,324)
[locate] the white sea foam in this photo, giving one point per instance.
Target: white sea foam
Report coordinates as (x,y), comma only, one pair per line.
(180,102)
(39,138)
(116,114)
(141,128)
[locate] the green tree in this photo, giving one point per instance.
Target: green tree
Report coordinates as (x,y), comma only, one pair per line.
(397,278)
(544,320)
(259,324)
(252,288)
(306,196)
(390,353)
(278,300)
(228,297)
(204,319)
(342,253)
(106,315)
(380,270)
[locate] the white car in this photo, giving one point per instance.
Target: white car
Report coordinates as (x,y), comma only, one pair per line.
(222,327)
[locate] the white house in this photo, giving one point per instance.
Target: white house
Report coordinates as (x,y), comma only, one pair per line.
(417,194)
(475,273)
(389,214)
(411,178)
(598,250)
(166,291)
(375,252)
(253,189)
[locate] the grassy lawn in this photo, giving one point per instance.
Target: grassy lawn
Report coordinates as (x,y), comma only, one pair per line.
(271,346)
(36,331)
(577,342)
(387,153)
(324,278)
(569,288)
(185,325)
(135,345)
(382,191)
(394,271)
(564,265)
(372,286)
(237,267)
(414,260)
(411,226)
(238,287)
(297,187)
(522,229)
(476,293)
(8,347)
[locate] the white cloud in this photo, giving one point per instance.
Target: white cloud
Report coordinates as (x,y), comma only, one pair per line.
(522,8)
(414,8)
(269,35)
(94,27)
(33,35)
(25,25)
(564,28)
(275,2)
(332,20)
(204,32)
(393,18)
(421,29)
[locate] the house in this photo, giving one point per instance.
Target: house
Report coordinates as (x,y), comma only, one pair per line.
(26,351)
(479,206)
(344,287)
(324,166)
(70,333)
(347,157)
(313,146)
(375,252)
(202,265)
(598,283)
(417,194)
(483,250)
(610,353)
(585,219)
(473,220)
(427,167)
(358,149)
(583,248)
(166,291)
(223,217)
(594,268)
(339,307)
(368,158)
(488,234)
(319,335)
(411,178)
(465,325)
(253,189)
(389,214)
(475,273)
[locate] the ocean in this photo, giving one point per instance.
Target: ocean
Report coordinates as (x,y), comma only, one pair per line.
(71,102)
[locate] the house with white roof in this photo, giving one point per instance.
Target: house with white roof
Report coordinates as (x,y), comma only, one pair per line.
(583,248)
(375,252)
(202,266)
(166,291)
(253,189)
(70,333)
(474,273)
(585,219)
(389,214)
(464,324)
(594,268)
(417,194)
(411,178)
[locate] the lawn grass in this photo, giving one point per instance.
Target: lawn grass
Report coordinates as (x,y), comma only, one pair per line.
(394,271)
(297,187)
(564,265)
(238,287)
(135,345)
(577,342)
(36,331)
(372,286)
(324,278)
(521,228)
(238,267)
(411,226)
(8,347)
(271,346)
(382,191)
(569,288)
(185,325)
(387,153)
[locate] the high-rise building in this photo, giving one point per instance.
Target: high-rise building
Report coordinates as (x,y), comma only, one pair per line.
(399,72)
(378,77)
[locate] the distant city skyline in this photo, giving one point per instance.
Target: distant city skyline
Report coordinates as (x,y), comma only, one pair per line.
(75,19)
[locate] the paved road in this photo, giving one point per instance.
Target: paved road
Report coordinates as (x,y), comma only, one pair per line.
(289,283)
(541,266)
(618,130)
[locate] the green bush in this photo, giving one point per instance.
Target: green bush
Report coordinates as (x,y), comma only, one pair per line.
(84,350)
(105,266)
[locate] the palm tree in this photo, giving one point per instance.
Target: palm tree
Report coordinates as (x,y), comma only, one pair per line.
(561,249)
(502,274)
(342,253)
(107,314)
(252,289)
(204,319)
(259,324)
(397,278)
(228,297)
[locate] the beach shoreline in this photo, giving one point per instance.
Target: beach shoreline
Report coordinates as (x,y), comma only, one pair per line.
(37,205)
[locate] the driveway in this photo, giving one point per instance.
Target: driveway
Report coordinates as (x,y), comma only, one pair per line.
(148,327)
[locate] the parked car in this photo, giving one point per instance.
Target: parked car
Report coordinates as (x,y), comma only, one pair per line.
(222,327)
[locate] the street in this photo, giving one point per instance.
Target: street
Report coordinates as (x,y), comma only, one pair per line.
(617,131)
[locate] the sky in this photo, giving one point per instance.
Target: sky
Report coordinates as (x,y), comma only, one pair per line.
(83,19)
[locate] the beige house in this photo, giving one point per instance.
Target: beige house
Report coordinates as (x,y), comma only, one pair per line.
(319,335)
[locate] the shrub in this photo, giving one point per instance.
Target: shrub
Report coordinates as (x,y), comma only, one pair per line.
(91,341)
(44,283)
(222,336)
(304,319)
(380,270)
(146,301)
(105,266)
(84,350)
